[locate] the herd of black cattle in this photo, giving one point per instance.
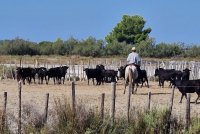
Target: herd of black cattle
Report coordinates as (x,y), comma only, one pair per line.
(29,74)
(177,78)
(100,74)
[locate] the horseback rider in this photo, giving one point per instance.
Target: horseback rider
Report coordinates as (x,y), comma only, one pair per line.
(133,59)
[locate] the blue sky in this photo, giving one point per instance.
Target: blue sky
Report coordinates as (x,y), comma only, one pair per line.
(46,20)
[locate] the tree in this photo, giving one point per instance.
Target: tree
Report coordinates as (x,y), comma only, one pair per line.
(167,50)
(70,44)
(192,51)
(18,47)
(117,48)
(58,47)
(89,47)
(130,29)
(146,48)
(45,48)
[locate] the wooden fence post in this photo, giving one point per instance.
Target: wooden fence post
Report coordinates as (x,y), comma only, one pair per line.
(89,63)
(73,98)
(188,112)
(20,62)
(113,85)
(3,71)
(171,101)
(83,76)
(74,73)
(19,112)
(78,73)
(81,71)
(12,72)
(169,127)
(46,108)
(70,70)
(4,112)
(149,101)
(102,106)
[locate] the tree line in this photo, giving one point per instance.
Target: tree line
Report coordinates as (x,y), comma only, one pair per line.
(129,32)
(97,48)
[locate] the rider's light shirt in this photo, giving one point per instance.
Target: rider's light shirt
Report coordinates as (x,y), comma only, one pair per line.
(134,58)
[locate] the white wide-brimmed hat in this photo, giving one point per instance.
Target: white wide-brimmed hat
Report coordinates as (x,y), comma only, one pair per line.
(133,49)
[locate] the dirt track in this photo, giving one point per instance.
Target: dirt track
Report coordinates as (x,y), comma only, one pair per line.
(34,94)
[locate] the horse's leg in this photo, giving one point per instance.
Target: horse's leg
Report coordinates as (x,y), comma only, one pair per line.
(133,86)
(125,86)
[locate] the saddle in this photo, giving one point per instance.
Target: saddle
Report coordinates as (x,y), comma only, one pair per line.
(132,64)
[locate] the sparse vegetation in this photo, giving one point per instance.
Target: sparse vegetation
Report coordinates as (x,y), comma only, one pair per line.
(86,121)
(4,128)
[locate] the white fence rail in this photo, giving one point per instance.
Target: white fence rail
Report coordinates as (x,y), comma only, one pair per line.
(76,70)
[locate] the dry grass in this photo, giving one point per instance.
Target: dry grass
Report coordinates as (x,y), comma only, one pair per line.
(75,58)
(49,59)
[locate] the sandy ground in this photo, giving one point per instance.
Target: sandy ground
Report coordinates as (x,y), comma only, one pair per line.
(89,95)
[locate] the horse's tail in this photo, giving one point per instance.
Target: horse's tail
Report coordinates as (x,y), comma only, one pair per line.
(130,75)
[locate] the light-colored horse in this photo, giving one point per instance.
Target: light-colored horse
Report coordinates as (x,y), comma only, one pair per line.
(131,71)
